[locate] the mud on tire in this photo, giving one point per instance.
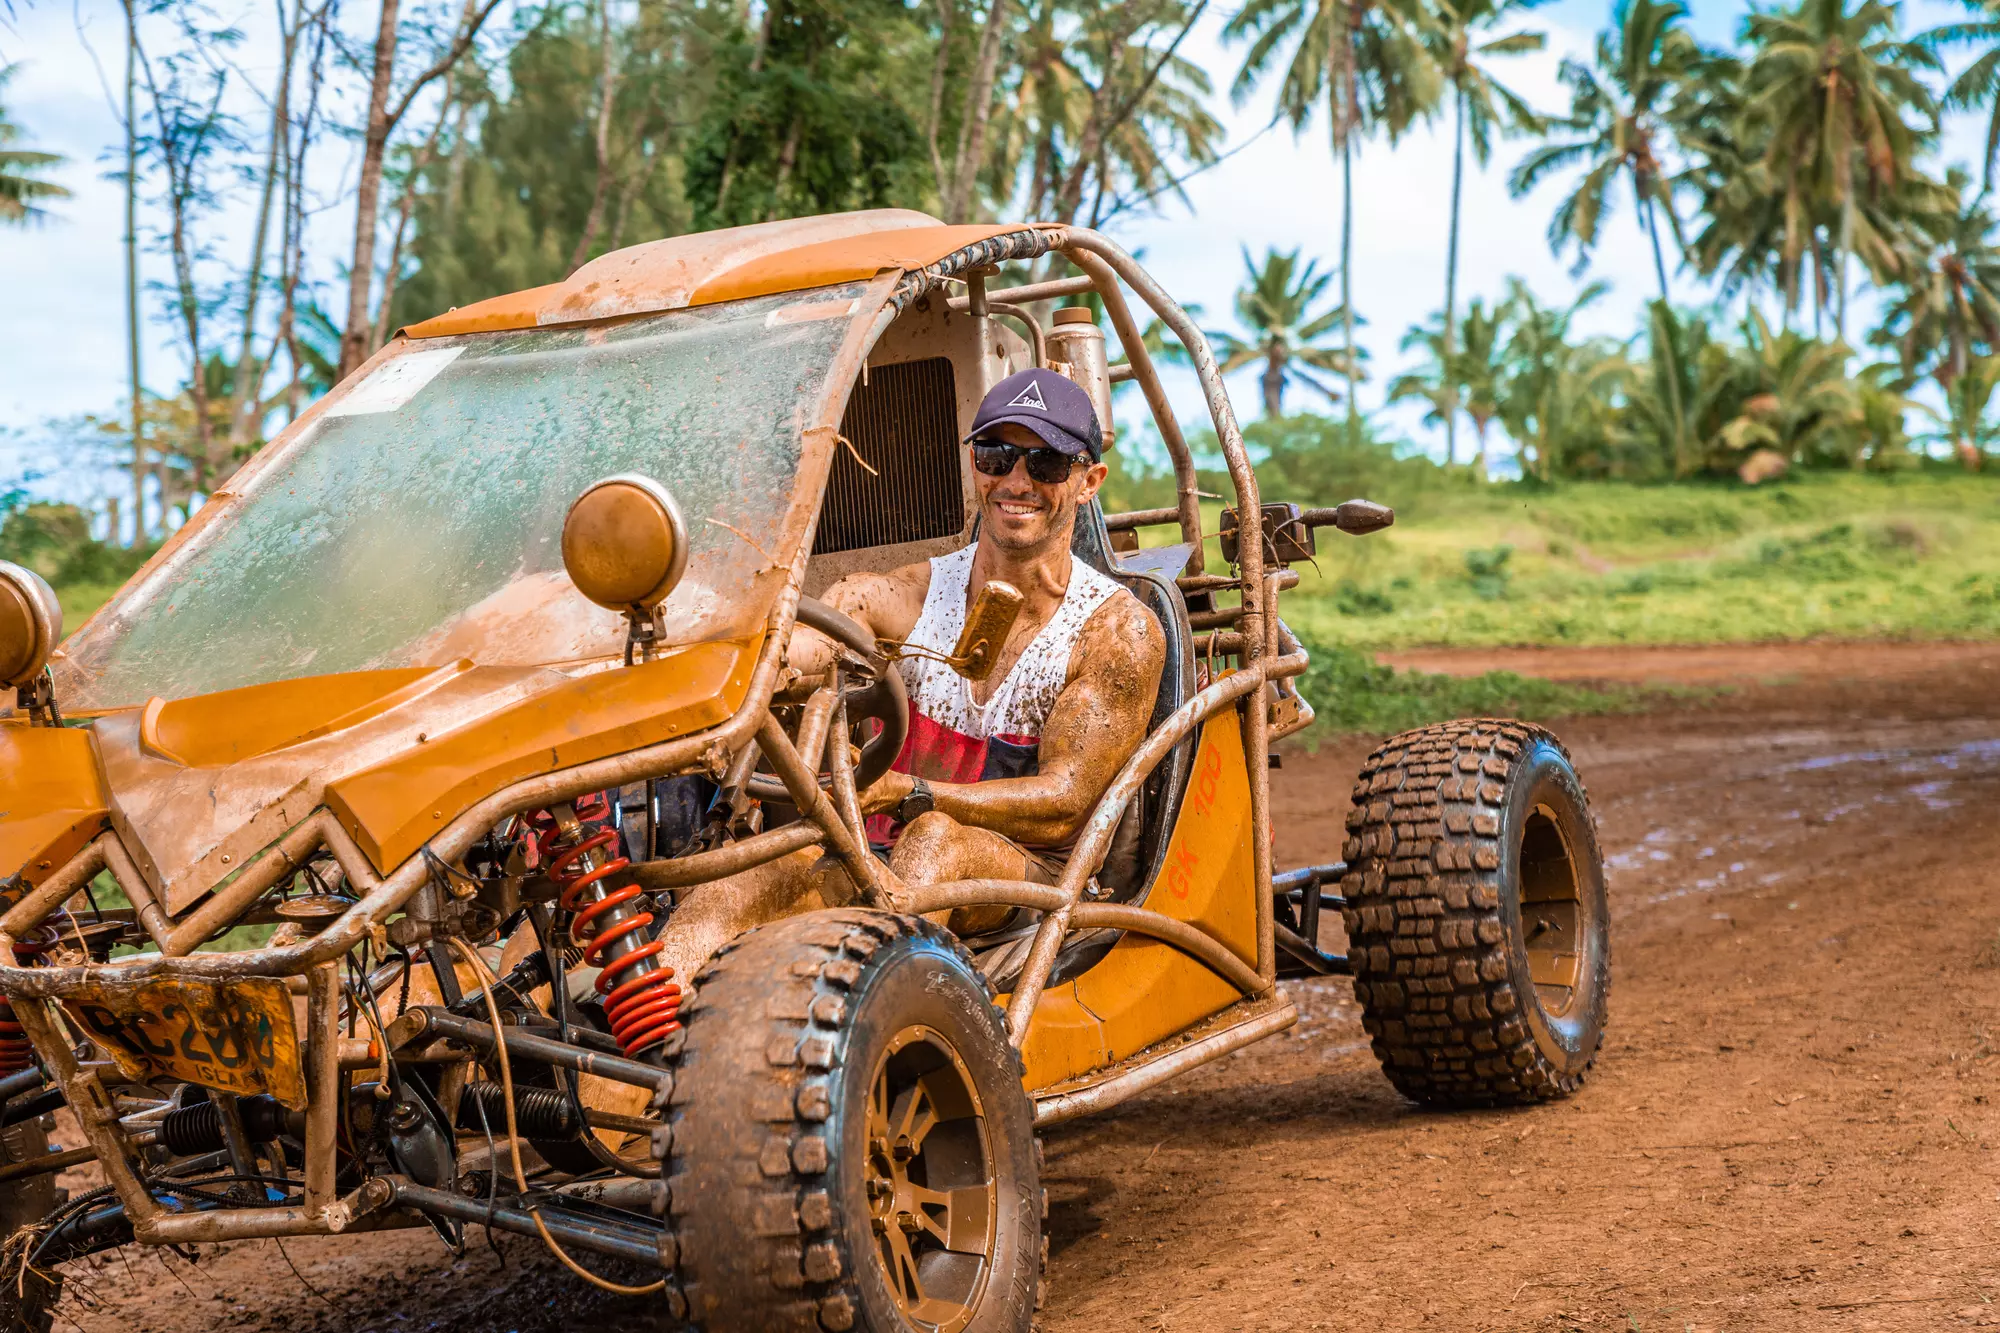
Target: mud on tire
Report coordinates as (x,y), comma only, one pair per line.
(810,1045)
(1476,917)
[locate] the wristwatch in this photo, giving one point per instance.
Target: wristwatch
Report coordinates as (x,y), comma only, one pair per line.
(920,801)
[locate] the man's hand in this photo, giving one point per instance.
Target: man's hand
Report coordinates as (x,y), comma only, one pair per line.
(887,793)
(886,605)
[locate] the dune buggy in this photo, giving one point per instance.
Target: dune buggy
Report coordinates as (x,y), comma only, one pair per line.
(365,854)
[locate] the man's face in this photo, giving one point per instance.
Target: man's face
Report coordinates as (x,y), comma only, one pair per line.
(1019,513)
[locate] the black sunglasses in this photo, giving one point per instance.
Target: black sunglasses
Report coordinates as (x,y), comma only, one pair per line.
(1051,467)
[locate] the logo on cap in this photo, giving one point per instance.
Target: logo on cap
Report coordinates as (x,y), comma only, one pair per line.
(1030,397)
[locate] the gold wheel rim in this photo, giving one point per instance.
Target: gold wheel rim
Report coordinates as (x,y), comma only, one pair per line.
(932,1198)
(1552,912)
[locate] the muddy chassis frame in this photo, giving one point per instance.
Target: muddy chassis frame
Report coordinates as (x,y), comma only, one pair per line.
(608,1218)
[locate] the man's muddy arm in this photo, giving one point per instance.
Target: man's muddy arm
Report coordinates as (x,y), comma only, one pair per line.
(886,605)
(1097,722)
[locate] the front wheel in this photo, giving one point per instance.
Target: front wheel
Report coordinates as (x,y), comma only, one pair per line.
(1476,918)
(850,1145)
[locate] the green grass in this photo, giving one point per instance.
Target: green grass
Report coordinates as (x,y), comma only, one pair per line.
(1911,556)
(1351,693)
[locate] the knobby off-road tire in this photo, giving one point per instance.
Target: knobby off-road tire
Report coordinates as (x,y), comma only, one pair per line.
(27,1298)
(1476,916)
(848,1143)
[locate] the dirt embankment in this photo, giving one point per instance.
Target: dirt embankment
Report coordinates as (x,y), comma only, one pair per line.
(1792,1127)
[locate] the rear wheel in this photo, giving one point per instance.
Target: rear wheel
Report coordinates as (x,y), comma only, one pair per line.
(1476,918)
(849,1145)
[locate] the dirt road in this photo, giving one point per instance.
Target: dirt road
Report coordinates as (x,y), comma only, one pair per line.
(1792,1127)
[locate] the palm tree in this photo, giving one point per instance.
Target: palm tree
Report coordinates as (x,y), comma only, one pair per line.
(1978,85)
(1434,382)
(1480,104)
(1557,392)
(1742,214)
(1278,304)
(21,181)
(1969,428)
(1369,59)
(1482,370)
(1094,111)
(1948,281)
(1834,88)
(1679,396)
(1618,118)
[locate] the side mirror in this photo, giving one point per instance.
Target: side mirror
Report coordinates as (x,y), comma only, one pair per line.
(624,543)
(30,625)
(987,626)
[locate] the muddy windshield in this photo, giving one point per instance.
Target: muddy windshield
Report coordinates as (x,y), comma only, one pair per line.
(418,519)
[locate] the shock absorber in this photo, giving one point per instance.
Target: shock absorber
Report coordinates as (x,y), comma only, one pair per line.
(579,843)
(16,1051)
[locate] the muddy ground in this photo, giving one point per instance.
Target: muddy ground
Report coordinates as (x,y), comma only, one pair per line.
(1792,1126)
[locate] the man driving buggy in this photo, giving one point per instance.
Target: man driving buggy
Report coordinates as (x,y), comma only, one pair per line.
(997,776)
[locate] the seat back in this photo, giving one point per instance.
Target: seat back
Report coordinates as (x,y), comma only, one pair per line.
(1140,848)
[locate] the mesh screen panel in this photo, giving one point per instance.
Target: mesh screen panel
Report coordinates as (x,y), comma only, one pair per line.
(904,421)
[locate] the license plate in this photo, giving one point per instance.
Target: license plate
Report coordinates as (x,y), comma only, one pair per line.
(234,1036)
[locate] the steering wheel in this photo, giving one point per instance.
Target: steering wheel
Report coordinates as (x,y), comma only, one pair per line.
(882,698)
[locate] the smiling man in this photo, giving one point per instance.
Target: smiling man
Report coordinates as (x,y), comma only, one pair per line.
(998,777)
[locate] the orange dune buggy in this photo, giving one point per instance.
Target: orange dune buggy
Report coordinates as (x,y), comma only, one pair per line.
(358,853)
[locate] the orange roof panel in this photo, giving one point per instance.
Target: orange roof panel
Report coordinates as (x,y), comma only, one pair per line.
(711,267)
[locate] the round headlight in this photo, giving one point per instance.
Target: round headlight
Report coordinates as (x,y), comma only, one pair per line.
(624,543)
(30,624)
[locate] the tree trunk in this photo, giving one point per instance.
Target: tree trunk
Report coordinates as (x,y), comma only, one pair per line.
(1447,366)
(139,468)
(978,111)
(757,51)
(1342,115)
(1652,234)
(608,84)
(1347,288)
(1274,382)
(939,69)
(379,330)
(1840,275)
(367,201)
(249,390)
(788,157)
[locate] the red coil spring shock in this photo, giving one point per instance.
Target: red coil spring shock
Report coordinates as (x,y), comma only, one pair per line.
(16,1051)
(640,996)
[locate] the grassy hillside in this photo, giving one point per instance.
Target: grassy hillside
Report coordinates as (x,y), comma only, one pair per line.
(1915,555)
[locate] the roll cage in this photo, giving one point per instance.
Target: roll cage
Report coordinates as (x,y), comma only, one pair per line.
(1227,679)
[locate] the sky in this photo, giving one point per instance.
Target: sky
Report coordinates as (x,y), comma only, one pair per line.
(62,345)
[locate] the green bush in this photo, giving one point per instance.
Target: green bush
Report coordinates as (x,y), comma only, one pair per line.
(54,540)
(1487,572)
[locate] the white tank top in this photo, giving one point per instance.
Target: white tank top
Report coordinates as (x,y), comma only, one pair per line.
(1019,706)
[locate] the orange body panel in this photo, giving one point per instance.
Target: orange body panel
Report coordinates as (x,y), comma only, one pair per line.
(52,798)
(210,730)
(713,267)
(394,806)
(848,259)
(1144,991)
(515,310)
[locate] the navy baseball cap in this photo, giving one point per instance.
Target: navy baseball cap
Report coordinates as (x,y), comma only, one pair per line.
(1053,406)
